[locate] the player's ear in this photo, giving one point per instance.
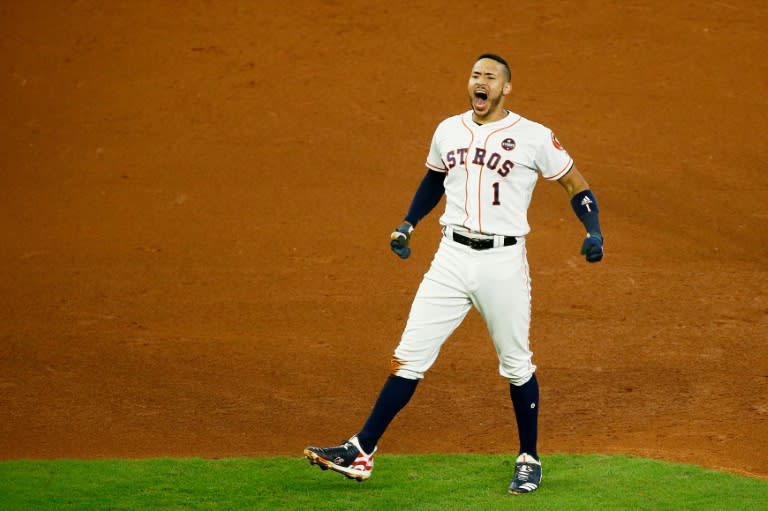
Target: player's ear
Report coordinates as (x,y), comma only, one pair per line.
(507,88)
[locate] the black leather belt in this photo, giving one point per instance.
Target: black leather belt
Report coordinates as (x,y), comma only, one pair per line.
(481,244)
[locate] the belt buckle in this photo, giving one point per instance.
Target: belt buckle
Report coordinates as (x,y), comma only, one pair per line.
(477,243)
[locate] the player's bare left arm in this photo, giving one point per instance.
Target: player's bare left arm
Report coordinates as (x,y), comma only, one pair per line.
(584,204)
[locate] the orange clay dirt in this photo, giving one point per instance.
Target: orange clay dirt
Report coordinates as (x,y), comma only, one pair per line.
(196,206)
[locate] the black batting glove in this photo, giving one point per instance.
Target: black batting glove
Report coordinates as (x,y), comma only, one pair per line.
(399,240)
(592,248)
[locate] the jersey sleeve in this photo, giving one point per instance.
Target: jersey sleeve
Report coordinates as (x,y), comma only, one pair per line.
(552,160)
(434,158)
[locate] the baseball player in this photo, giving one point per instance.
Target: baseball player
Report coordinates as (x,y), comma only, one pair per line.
(486,162)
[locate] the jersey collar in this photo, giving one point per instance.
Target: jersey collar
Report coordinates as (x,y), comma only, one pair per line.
(470,122)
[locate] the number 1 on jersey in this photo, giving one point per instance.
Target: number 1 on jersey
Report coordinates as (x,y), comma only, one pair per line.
(496,201)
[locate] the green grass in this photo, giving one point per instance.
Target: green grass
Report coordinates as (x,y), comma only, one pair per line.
(433,482)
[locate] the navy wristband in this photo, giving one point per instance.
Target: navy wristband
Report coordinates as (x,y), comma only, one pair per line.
(584,204)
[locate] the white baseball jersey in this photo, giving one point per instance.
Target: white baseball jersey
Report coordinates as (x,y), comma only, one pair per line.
(492,170)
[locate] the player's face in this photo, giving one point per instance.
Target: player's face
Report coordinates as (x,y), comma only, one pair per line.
(487,88)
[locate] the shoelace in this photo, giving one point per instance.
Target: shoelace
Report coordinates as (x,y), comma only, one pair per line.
(524,472)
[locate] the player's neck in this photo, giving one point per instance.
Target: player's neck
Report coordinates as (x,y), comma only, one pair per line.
(496,116)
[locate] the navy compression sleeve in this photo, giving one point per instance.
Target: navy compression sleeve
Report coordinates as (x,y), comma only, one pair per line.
(427,196)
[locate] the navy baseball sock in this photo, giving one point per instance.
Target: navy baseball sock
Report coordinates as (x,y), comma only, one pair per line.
(394,396)
(525,400)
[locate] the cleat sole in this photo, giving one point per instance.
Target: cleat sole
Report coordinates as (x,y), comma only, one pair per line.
(325,464)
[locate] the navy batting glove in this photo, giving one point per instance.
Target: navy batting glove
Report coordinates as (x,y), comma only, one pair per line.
(592,248)
(399,240)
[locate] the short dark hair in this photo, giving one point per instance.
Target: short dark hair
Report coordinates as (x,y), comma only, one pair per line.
(500,60)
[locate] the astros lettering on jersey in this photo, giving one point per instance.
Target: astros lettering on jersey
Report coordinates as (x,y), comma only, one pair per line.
(492,170)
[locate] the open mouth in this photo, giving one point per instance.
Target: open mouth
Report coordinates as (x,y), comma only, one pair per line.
(480,102)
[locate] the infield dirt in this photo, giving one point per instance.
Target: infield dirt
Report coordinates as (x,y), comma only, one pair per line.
(197,199)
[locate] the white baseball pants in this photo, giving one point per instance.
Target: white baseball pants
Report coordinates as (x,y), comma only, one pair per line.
(496,282)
